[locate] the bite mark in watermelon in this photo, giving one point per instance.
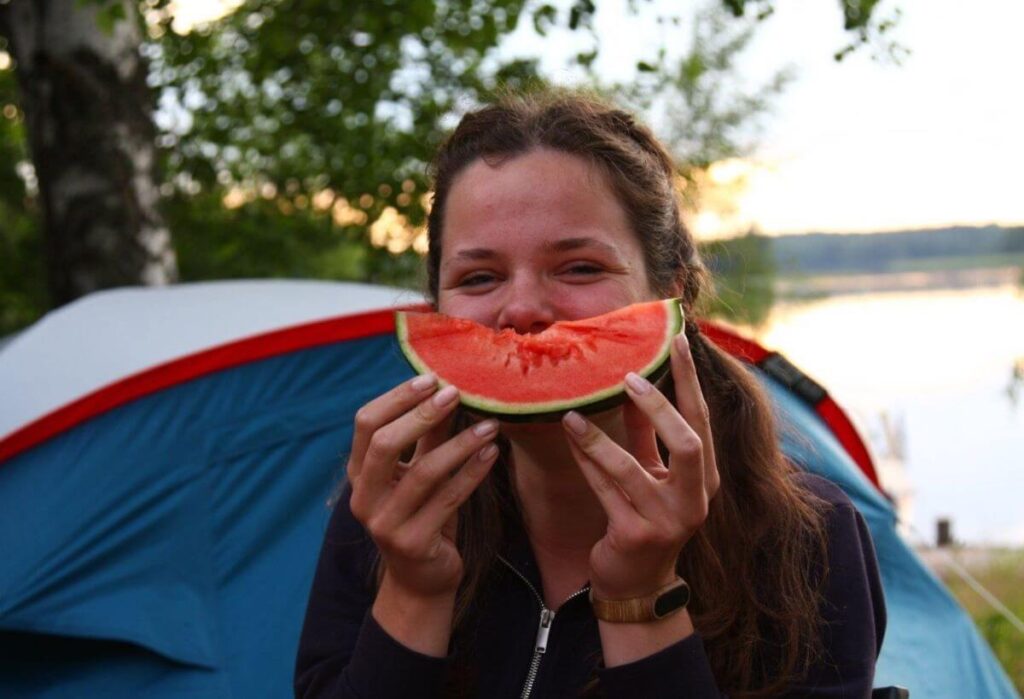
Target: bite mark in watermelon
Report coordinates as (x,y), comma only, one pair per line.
(570,365)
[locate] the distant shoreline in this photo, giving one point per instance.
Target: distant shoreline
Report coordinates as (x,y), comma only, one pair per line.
(822,285)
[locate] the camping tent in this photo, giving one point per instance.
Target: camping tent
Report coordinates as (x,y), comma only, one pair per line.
(167,457)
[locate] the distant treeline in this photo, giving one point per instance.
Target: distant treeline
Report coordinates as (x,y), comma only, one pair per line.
(746,269)
(884,252)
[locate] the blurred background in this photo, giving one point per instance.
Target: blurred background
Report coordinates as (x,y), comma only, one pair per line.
(851,167)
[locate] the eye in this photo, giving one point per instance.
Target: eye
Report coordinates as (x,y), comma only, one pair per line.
(477,279)
(583,269)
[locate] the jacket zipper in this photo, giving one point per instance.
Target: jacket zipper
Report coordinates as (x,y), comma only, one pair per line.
(547,618)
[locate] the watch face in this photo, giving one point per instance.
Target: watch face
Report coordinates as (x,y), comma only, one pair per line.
(672,600)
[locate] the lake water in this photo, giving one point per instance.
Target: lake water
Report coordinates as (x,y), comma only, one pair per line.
(933,370)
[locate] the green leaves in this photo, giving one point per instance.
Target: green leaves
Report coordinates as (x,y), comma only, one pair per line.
(109,16)
(108,13)
(23,294)
(544,18)
(340,95)
(305,97)
(581,14)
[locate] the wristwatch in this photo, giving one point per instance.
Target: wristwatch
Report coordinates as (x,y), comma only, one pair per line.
(658,605)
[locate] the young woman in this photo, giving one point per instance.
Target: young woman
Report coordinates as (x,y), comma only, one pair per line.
(662,549)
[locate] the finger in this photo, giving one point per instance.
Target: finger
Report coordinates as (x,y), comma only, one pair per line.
(429,473)
(382,410)
(692,406)
(615,503)
(686,458)
(401,469)
(434,437)
(612,459)
(388,442)
(438,512)
(641,440)
(689,397)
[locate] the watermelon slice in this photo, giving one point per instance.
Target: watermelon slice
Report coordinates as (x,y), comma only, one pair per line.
(571,365)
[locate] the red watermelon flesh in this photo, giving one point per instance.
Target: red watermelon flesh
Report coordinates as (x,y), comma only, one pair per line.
(570,365)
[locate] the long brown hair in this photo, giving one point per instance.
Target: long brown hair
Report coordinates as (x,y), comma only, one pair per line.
(756,566)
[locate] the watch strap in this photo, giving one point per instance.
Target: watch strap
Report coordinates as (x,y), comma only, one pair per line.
(657,605)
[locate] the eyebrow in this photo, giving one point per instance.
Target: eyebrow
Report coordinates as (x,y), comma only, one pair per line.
(562,245)
(474,254)
(566,244)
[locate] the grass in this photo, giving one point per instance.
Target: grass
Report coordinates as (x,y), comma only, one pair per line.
(1003,576)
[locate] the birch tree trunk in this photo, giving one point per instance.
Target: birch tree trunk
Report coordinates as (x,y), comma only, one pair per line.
(88,116)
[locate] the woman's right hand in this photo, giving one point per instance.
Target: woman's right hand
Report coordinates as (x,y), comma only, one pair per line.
(410,509)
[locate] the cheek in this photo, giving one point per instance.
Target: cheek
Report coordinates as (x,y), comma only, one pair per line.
(587,301)
(476,308)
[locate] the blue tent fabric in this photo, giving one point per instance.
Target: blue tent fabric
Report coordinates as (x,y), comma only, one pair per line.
(186,524)
(165,548)
(931,645)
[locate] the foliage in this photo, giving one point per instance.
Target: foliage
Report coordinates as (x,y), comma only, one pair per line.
(296,99)
(697,105)
(23,295)
(258,240)
(743,269)
(860,18)
(899,250)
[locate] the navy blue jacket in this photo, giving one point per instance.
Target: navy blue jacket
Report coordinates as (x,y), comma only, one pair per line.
(343,652)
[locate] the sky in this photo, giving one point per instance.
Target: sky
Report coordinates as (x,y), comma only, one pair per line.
(865,145)
(862,146)
(857,146)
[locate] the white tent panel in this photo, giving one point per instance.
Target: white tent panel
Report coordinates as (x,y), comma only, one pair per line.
(109,335)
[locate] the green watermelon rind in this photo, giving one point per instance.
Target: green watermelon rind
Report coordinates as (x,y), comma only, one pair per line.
(598,401)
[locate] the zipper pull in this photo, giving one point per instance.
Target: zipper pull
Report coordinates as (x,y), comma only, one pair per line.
(546,617)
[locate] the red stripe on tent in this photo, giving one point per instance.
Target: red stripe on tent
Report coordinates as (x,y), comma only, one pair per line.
(199,364)
(733,343)
(848,436)
(324,332)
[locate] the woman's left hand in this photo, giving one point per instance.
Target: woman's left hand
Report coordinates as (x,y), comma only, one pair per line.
(652,509)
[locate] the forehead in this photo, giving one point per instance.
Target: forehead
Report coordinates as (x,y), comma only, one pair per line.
(533,198)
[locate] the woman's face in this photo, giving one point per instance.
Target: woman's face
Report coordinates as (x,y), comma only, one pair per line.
(537,239)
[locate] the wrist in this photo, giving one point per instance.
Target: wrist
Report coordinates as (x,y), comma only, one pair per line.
(436,597)
(627,643)
(419,622)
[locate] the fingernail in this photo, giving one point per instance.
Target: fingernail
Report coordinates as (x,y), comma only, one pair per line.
(575,422)
(637,383)
(487,452)
(682,344)
(486,428)
(422,383)
(445,396)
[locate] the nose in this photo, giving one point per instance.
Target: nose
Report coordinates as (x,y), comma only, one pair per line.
(527,310)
